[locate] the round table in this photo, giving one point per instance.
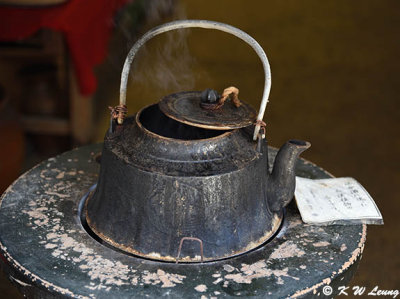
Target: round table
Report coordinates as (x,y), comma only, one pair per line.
(46,251)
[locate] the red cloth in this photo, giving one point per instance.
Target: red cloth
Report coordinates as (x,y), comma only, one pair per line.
(86,25)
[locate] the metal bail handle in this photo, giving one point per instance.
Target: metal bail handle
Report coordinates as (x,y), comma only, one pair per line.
(207,25)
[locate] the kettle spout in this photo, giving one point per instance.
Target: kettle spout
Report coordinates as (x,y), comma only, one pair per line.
(282,181)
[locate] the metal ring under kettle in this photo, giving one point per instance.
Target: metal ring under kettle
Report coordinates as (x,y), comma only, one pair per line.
(207,25)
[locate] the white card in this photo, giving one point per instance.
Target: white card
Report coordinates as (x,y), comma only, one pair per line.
(335,201)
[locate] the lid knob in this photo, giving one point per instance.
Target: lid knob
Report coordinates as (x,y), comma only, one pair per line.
(209,96)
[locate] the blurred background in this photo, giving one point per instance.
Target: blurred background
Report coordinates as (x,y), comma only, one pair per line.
(335,82)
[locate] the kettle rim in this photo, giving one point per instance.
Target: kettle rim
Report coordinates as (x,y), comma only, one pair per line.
(184,141)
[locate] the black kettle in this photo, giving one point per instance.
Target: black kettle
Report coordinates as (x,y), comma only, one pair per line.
(188,178)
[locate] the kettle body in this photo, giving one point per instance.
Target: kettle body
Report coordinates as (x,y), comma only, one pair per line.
(155,190)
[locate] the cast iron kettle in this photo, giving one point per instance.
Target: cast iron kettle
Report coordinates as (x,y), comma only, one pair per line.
(188,178)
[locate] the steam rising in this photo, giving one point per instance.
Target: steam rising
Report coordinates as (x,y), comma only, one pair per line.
(169,66)
(165,65)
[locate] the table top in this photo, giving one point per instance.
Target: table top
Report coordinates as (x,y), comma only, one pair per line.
(47,250)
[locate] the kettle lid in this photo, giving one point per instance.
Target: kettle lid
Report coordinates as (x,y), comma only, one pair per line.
(209,110)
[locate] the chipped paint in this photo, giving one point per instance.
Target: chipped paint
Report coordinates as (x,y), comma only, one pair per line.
(201,288)
(355,255)
(229,268)
(257,270)
(321,244)
(56,194)
(43,213)
(295,223)
(167,280)
(357,252)
(287,250)
(105,271)
(218,281)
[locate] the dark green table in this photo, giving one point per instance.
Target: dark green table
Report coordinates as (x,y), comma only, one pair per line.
(47,253)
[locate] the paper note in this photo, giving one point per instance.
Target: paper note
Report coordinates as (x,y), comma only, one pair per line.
(335,201)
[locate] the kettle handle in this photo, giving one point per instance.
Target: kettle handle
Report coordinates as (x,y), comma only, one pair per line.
(207,25)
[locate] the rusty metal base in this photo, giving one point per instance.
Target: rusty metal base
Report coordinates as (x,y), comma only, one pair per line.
(46,252)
